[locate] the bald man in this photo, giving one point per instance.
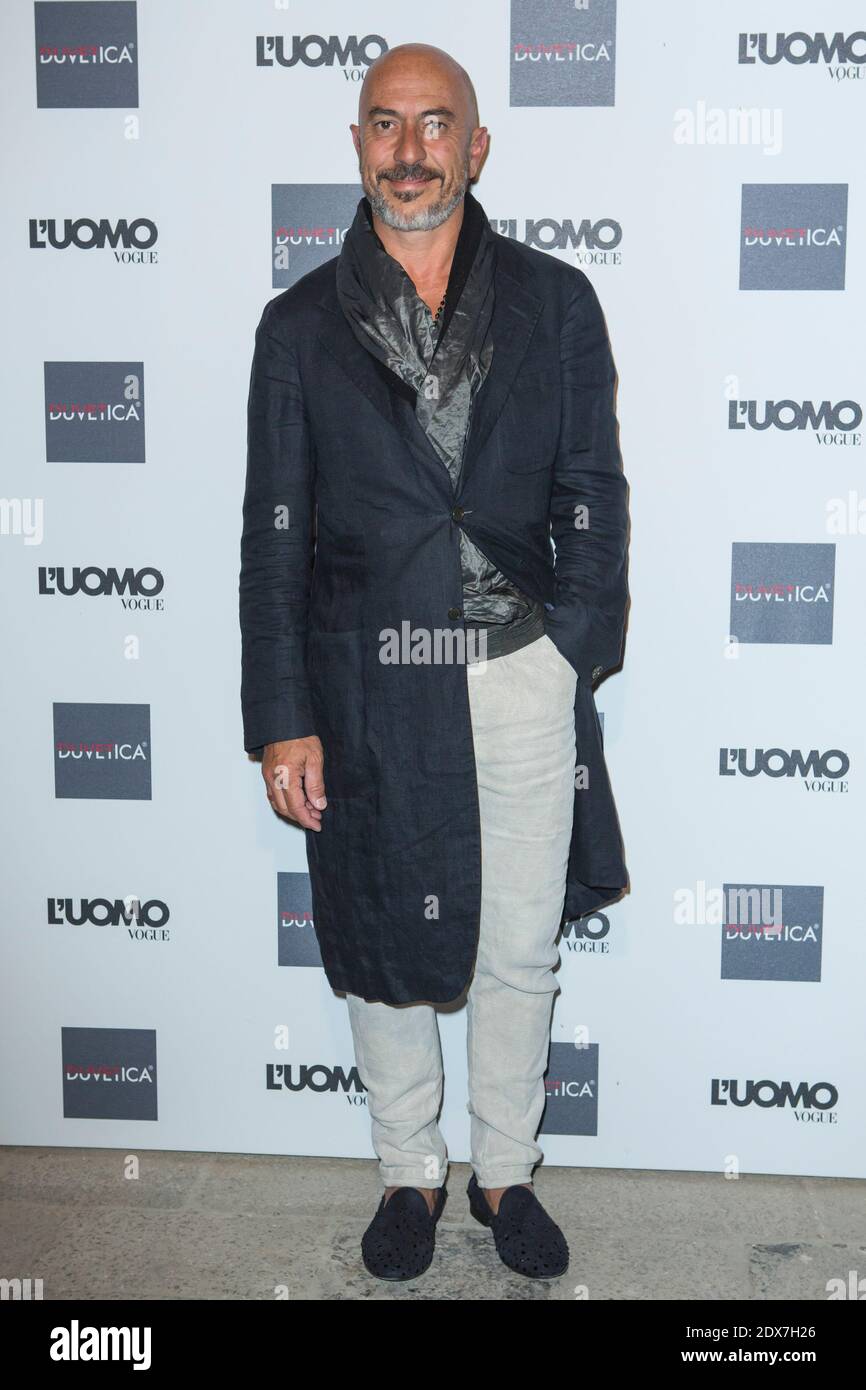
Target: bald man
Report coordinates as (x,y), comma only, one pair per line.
(437,404)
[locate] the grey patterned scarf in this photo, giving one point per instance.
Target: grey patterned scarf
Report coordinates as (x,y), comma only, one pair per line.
(389,318)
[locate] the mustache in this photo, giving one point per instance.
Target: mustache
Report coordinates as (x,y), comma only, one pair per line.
(410,171)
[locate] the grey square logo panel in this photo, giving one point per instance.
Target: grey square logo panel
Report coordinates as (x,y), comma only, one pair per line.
(94,412)
(308,224)
(296,935)
(86,53)
(102,752)
(772,932)
(782,593)
(563,53)
(109,1073)
(793,236)
(571,1087)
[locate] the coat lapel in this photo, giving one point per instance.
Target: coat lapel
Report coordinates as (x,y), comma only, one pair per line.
(515,313)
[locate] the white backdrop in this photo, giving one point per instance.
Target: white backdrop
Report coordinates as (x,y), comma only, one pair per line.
(174,1038)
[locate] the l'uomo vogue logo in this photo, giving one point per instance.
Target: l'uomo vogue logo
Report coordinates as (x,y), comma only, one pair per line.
(821,771)
(571,1090)
(809,1102)
(94,412)
(131,243)
(308,224)
(297,943)
(316,1077)
(563,53)
(314,51)
(843,54)
(109,1073)
(831,423)
(102,752)
(86,53)
(591,242)
(782,592)
(793,236)
(144,921)
(587,935)
(138,590)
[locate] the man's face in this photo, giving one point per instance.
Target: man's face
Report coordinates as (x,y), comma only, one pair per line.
(415,149)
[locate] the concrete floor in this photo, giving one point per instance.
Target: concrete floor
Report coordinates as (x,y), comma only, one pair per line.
(239,1226)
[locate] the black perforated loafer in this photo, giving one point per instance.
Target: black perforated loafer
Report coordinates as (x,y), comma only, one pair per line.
(399,1241)
(526,1238)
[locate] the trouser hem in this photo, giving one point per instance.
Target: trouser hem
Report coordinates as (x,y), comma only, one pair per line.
(502,1177)
(394,1176)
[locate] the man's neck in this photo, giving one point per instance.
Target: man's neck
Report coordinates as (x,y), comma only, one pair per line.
(425,256)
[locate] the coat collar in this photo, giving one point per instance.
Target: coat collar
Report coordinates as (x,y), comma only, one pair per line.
(515,313)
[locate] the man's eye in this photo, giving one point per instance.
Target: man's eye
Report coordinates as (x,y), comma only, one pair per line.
(429,124)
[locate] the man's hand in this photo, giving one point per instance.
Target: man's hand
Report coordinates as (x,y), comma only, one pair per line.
(293,776)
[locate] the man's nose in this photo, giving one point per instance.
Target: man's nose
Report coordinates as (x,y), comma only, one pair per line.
(410,146)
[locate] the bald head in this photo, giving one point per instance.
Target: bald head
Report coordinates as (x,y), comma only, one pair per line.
(420,60)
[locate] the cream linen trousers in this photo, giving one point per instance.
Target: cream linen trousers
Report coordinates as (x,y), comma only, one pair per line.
(522,707)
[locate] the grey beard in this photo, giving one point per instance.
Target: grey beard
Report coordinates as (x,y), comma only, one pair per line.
(425,219)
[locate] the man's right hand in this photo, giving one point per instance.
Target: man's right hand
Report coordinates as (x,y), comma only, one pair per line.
(293,773)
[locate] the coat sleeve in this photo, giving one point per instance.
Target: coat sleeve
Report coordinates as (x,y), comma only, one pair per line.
(276,545)
(588,509)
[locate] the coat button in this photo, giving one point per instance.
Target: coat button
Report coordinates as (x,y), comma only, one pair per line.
(596,672)
(457,514)
(455,613)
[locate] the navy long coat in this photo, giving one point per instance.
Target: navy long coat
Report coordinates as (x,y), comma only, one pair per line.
(350,528)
